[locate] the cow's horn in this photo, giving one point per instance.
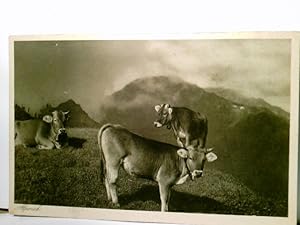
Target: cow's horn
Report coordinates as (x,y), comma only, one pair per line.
(67,112)
(209,150)
(157,108)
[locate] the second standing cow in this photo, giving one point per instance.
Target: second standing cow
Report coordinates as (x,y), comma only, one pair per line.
(190,128)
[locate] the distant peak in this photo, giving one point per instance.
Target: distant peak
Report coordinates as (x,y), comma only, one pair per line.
(158,79)
(69,103)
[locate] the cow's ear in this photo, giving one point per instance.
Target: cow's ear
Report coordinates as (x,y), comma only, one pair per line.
(183,153)
(210,157)
(209,150)
(170,110)
(66,115)
(48,118)
(157,108)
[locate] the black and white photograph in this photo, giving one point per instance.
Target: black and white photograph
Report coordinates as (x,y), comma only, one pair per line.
(185,127)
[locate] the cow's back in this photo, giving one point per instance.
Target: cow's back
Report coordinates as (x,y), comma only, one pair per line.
(27,131)
(193,122)
(140,156)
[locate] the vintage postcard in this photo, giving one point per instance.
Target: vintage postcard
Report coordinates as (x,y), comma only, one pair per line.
(188,129)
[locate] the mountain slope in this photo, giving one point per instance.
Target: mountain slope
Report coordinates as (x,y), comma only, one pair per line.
(133,106)
(78,117)
(21,114)
(60,177)
(250,141)
(243,100)
(256,151)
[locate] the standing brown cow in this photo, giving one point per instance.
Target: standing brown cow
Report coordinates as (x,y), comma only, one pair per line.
(166,164)
(190,128)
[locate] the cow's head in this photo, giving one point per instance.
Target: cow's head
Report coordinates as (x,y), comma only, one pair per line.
(58,130)
(196,158)
(164,112)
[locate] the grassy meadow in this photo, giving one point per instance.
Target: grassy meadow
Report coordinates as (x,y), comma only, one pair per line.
(70,177)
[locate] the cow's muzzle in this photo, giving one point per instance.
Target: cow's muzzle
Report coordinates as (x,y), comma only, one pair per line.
(157,124)
(61,130)
(196,174)
(61,134)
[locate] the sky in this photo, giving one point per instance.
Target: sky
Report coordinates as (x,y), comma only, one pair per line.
(86,71)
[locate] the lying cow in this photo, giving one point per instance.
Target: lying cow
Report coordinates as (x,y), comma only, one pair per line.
(142,157)
(47,133)
(190,128)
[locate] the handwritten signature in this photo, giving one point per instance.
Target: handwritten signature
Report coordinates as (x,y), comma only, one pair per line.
(29,208)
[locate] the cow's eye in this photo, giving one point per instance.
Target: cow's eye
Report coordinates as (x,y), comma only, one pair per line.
(55,120)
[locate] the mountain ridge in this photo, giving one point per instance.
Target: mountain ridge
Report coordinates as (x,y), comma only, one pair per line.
(78,117)
(240,99)
(21,113)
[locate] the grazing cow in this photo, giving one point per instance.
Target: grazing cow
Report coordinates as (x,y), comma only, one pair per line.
(164,163)
(47,133)
(190,128)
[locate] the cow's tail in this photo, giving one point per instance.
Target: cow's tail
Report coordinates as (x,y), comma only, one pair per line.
(16,125)
(102,159)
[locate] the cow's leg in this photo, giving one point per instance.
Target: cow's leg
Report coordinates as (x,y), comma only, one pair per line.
(44,143)
(204,140)
(45,146)
(204,136)
(164,192)
(180,144)
(201,143)
(112,176)
(187,140)
(107,189)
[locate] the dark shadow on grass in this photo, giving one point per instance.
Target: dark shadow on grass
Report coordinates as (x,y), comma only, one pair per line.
(76,142)
(179,201)
(146,193)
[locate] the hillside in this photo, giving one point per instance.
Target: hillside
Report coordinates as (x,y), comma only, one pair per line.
(21,114)
(256,151)
(250,141)
(240,99)
(133,106)
(78,117)
(60,178)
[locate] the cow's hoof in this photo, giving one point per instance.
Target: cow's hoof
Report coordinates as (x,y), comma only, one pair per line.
(58,146)
(39,147)
(116,205)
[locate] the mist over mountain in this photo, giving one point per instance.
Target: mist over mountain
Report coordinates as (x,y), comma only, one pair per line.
(136,101)
(240,99)
(251,140)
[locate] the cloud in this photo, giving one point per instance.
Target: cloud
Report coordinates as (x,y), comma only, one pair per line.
(89,70)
